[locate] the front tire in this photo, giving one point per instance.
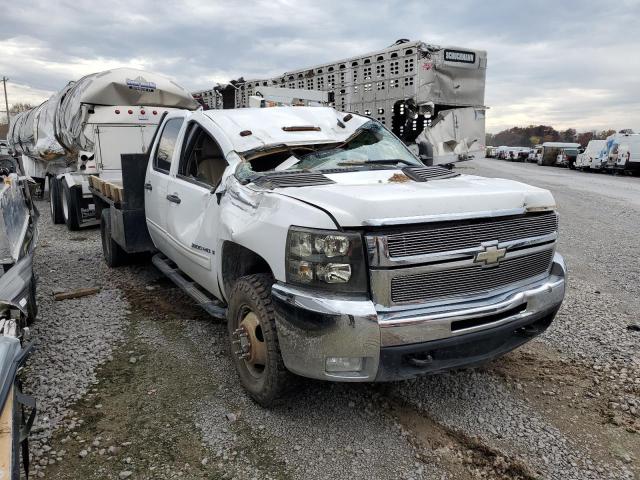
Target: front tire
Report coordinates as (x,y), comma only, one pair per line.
(55,201)
(254,340)
(113,253)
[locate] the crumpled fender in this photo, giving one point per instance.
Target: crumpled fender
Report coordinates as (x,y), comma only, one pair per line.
(15,282)
(260,221)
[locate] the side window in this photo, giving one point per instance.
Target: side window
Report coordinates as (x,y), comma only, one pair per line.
(166,145)
(202,159)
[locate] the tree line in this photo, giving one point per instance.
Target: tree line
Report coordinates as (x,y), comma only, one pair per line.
(13,109)
(537,134)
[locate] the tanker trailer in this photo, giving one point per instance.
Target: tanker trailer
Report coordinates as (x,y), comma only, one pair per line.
(82,130)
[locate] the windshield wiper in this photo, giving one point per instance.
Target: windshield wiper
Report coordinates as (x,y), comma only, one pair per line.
(379,161)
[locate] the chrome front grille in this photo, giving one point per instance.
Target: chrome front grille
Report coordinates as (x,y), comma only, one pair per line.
(448,238)
(447,262)
(469,280)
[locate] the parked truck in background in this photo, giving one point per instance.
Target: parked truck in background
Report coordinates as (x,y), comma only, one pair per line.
(83,129)
(534,154)
(331,250)
(551,150)
(567,157)
(623,153)
(432,97)
(589,159)
(519,154)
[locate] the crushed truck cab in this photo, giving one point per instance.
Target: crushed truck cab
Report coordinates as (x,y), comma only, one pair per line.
(336,254)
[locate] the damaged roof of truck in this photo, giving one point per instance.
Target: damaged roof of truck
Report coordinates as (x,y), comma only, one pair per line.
(255,128)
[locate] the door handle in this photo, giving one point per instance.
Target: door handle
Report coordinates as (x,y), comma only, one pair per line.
(147,186)
(174,198)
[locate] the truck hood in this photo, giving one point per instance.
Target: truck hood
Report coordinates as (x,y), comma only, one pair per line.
(376,197)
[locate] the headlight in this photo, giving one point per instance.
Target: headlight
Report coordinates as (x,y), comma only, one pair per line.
(326,259)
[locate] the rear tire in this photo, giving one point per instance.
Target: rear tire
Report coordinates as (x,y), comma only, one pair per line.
(70,207)
(251,297)
(55,201)
(113,253)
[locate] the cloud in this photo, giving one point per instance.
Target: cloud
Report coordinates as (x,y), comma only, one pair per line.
(568,64)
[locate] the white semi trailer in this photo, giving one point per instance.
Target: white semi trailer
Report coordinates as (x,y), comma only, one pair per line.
(83,129)
(431,97)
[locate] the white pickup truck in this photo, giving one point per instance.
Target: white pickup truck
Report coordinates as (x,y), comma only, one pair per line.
(332,252)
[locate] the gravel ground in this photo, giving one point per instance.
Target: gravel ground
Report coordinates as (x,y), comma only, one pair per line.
(135,382)
(72,337)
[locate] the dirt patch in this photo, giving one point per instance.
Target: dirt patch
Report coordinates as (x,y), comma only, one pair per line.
(463,456)
(135,421)
(399,178)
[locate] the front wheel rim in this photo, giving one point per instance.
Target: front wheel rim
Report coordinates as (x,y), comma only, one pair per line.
(249,343)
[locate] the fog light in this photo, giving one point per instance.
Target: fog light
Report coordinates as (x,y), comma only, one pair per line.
(343,364)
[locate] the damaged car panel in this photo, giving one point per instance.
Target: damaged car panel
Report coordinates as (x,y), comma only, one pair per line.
(18,238)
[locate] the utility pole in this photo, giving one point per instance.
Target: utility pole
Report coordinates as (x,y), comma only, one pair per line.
(6,102)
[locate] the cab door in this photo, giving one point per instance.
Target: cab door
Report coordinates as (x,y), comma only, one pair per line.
(157,179)
(193,210)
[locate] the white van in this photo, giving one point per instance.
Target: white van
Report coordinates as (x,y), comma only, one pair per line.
(590,158)
(628,158)
(535,153)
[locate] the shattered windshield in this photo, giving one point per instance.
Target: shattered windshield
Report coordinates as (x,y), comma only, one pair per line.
(371,146)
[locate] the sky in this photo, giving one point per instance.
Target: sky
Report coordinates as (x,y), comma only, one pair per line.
(565,63)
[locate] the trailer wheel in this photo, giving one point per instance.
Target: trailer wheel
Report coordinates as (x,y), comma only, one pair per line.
(254,341)
(113,253)
(70,207)
(55,201)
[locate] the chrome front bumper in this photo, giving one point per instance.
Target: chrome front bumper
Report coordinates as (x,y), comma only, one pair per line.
(431,338)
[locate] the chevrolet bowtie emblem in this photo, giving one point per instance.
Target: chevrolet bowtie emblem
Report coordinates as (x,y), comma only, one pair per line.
(491,255)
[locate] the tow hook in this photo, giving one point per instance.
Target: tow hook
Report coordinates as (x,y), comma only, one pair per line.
(242,343)
(424,361)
